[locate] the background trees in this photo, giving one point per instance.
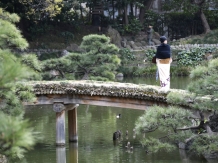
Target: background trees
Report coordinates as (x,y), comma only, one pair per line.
(193,7)
(39,17)
(36,10)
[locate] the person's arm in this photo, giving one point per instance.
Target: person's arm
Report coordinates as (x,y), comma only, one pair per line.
(170,55)
(157,54)
(148,31)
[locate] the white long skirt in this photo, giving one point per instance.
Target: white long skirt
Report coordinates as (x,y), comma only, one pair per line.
(164,75)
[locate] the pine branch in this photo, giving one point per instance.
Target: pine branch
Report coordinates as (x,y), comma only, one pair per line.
(152,130)
(189,128)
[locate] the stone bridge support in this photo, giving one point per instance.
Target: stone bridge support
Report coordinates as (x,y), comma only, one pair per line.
(60,110)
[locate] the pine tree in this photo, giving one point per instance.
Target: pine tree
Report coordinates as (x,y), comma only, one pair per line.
(181,126)
(15,134)
(99,61)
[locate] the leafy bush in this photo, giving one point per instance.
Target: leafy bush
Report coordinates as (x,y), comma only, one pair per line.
(119,28)
(149,71)
(50,55)
(133,27)
(193,56)
(126,55)
(126,70)
(149,54)
(210,38)
(180,70)
(39,29)
(67,36)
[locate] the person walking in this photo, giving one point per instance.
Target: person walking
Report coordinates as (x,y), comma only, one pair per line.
(163,61)
(149,35)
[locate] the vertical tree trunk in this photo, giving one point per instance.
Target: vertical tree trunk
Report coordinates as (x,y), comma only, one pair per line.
(136,10)
(90,13)
(126,21)
(142,14)
(85,76)
(146,5)
(205,22)
(113,9)
(131,8)
(81,11)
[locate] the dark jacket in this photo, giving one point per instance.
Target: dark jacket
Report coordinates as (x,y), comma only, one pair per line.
(163,51)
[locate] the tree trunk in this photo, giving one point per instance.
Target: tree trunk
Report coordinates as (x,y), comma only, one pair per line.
(85,76)
(113,9)
(81,11)
(142,14)
(205,22)
(146,5)
(126,21)
(131,8)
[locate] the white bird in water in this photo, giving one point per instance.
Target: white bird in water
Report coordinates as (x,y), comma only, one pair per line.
(119,116)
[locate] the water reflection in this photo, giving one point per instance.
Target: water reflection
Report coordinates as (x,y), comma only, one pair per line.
(96,125)
(73,152)
(61,154)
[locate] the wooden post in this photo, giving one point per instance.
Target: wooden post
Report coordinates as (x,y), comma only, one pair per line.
(59,108)
(72,123)
(61,154)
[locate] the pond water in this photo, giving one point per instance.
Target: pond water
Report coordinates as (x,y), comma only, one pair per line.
(96,125)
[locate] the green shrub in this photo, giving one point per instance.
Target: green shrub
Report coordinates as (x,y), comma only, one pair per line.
(126,70)
(210,38)
(149,54)
(68,36)
(45,56)
(133,27)
(193,56)
(37,30)
(180,70)
(126,55)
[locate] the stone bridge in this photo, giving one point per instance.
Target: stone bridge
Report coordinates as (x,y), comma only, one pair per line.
(65,96)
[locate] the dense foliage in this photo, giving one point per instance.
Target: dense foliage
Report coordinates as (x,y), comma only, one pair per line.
(16,136)
(193,56)
(99,61)
(193,7)
(184,128)
(39,16)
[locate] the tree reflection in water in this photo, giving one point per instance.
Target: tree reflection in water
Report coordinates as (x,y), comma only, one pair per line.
(96,125)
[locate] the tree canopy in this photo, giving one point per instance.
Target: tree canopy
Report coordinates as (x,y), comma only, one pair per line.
(192,7)
(127,16)
(37,9)
(99,61)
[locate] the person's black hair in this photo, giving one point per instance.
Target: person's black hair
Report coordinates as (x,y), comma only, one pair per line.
(162,39)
